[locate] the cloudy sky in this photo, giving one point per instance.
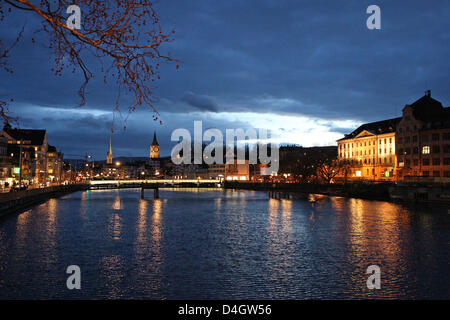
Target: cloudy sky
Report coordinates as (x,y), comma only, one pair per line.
(308,70)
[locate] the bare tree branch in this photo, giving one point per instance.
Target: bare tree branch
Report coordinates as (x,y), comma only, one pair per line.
(124,35)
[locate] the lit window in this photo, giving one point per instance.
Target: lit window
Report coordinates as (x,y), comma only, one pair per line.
(426,150)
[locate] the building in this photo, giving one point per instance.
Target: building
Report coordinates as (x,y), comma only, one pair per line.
(28,149)
(423,140)
(54,165)
(216,171)
(370,151)
(5,164)
(109,155)
(154,148)
(237,171)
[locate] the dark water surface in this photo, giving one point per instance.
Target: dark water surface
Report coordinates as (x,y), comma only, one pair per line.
(214,244)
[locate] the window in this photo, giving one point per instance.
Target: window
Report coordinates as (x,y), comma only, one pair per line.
(416,162)
(400,141)
(446,173)
(426,162)
(436,174)
(414,139)
(407,139)
(425,150)
(436,161)
(435,137)
(407,162)
(436,149)
(425,137)
(446,136)
(425,173)
(447,148)
(390,140)
(446,161)
(415,150)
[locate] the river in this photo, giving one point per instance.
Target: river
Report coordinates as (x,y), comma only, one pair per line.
(223,244)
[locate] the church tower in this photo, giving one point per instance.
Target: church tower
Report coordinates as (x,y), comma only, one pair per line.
(109,154)
(154,148)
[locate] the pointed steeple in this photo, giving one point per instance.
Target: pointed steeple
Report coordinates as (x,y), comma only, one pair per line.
(154,148)
(110,149)
(109,154)
(155,142)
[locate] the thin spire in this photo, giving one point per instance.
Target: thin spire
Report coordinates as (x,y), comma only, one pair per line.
(109,149)
(155,141)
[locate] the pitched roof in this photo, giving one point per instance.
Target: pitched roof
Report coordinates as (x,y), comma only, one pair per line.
(36,137)
(51,148)
(378,127)
(427,109)
(431,112)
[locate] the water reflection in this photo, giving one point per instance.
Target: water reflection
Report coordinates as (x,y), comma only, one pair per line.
(281,249)
(223,244)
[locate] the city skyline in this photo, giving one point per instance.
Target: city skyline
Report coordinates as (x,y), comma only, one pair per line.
(304,75)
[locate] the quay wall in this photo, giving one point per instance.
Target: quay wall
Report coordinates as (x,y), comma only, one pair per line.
(353,190)
(21,200)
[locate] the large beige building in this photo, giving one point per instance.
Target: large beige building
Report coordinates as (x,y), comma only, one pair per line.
(370,151)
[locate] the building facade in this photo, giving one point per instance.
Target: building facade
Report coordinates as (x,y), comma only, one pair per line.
(423,140)
(237,171)
(28,150)
(370,151)
(54,165)
(5,164)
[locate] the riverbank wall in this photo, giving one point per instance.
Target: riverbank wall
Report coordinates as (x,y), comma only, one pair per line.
(351,190)
(21,200)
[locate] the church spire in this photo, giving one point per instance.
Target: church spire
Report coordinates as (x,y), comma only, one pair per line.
(154,148)
(155,141)
(109,154)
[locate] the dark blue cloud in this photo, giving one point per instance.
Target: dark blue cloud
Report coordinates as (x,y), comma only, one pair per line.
(295,58)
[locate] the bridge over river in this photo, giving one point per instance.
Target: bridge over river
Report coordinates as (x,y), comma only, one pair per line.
(154,184)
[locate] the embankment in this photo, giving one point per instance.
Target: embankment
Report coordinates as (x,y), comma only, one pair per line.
(21,200)
(352,190)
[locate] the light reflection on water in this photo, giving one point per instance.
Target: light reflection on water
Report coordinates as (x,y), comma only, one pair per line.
(208,243)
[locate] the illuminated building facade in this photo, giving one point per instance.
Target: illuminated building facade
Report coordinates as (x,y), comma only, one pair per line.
(370,151)
(28,150)
(237,171)
(423,140)
(54,165)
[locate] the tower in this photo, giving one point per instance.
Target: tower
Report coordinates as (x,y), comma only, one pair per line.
(109,154)
(154,148)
